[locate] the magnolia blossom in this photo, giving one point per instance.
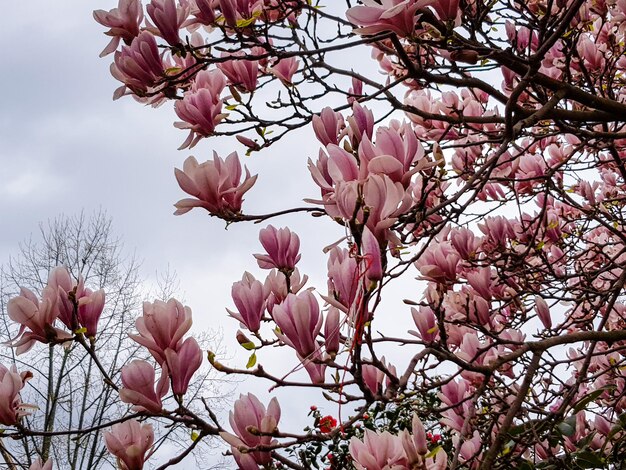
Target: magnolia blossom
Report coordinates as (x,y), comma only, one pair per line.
(328,126)
(200,113)
(248,412)
(123,21)
(162,327)
(36,318)
(138,66)
(387,15)
(39,465)
(285,69)
(138,379)
(282,246)
(76,304)
(11,406)
(300,321)
(240,72)
(249,298)
(90,308)
(168,18)
(182,363)
(382,451)
(370,251)
(130,442)
(216,184)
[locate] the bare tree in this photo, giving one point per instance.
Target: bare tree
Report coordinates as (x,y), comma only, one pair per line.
(68,384)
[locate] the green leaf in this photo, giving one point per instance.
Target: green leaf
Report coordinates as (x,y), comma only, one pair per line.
(251,361)
(194,436)
(583,402)
(433,452)
(587,459)
(568,426)
(249,346)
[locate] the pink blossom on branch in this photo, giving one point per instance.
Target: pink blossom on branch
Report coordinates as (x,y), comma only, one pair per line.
(240,72)
(138,66)
(39,465)
(282,247)
(249,297)
(138,380)
(382,451)
(168,18)
(130,442)
(300,321)
(396,16)
(123,21)
(36,319)
(215,183)
(201,107)
(182,363)
(162,326)
(249,414)
(90,308)
(285,69)
(11,406)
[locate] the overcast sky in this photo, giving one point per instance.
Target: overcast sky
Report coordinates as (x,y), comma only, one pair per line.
(65,146)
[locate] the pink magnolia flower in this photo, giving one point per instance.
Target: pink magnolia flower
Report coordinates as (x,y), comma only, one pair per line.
(138,389)
(282,246)
(124,22)
(373,377)
(328,126)
(385,200)
(61,281)
(439,263)
(162,327)
(247,413)
(138,66)
(360,124)
(168,18)
(39,465)
(200,111)
(215,183)
(203,12)
(90,307)
(249,298)
(240,72)
(378,451)
(415,445)
(130,442)
(386,15)
(343,279)
(395,154)
(72,294)
(332,331)
(284,69)
(300,321)
(371,253)
(426,324)
(276,288)
(11,406)
(543,312)
(234,11)
(314,366)
(447,10)
(36,318)
(182,364)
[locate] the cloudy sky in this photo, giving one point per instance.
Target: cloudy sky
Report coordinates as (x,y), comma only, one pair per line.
(65,146)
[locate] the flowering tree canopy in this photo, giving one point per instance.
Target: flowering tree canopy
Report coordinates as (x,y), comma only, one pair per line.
(487,162)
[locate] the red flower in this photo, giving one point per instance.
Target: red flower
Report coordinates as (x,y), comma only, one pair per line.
(327,424)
